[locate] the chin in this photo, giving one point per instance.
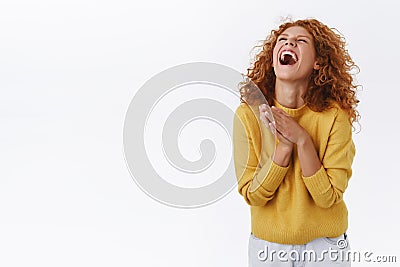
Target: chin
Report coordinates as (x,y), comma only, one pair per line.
(290,75)
(284,75)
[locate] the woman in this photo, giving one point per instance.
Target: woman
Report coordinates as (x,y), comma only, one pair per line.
(296,194)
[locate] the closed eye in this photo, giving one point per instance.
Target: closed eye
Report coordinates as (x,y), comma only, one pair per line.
(281,39)
(302,40)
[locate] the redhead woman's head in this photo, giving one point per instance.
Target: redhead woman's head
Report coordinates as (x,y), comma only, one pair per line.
(318,54)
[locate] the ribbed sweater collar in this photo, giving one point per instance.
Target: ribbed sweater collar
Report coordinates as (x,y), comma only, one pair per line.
(293,112)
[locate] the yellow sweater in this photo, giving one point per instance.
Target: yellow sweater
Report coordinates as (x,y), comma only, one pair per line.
(287,207)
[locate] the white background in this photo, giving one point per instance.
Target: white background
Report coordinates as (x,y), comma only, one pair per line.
(68,71)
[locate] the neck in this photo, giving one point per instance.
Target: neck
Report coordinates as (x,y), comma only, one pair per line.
(290,94)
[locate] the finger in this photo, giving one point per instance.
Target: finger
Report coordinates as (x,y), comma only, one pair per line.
(282,138)
(283,112)
(262,107)
(276,132)
(277,114)
(272,128)
(268,114)
(281,127)
(281,118)
(264,119)
(279,133)
(280,111)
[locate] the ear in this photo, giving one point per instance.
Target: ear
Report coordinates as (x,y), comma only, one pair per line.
(316,65)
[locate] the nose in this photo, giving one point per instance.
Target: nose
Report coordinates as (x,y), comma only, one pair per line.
(290,42)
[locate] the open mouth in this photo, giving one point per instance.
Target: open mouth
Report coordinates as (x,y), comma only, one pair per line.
(288,57)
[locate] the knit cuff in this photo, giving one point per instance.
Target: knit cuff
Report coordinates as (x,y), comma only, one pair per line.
(272,176)
(318,183)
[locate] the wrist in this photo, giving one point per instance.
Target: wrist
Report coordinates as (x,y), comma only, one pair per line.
(285,147)
(283,154)
(304,139)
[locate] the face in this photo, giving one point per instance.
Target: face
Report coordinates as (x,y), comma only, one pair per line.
(294,56)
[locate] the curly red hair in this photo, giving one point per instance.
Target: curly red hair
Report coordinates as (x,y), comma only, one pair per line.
(332,82)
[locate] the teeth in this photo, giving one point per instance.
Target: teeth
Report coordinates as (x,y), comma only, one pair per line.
(287,52)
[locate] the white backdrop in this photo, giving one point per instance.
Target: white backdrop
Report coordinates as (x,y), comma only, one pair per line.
(68,71)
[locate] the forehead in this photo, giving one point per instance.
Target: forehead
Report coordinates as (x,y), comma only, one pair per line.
(296,30)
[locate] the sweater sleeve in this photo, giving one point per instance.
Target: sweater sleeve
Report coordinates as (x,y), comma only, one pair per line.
(258,176)
(328,184)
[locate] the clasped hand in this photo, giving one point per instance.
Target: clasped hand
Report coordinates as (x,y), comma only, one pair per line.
(285,127)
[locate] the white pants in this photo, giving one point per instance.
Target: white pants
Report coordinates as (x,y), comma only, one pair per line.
(317,253)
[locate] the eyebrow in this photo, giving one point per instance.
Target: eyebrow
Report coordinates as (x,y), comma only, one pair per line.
(285,34)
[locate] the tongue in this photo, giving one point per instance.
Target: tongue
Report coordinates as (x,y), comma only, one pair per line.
(288,60)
